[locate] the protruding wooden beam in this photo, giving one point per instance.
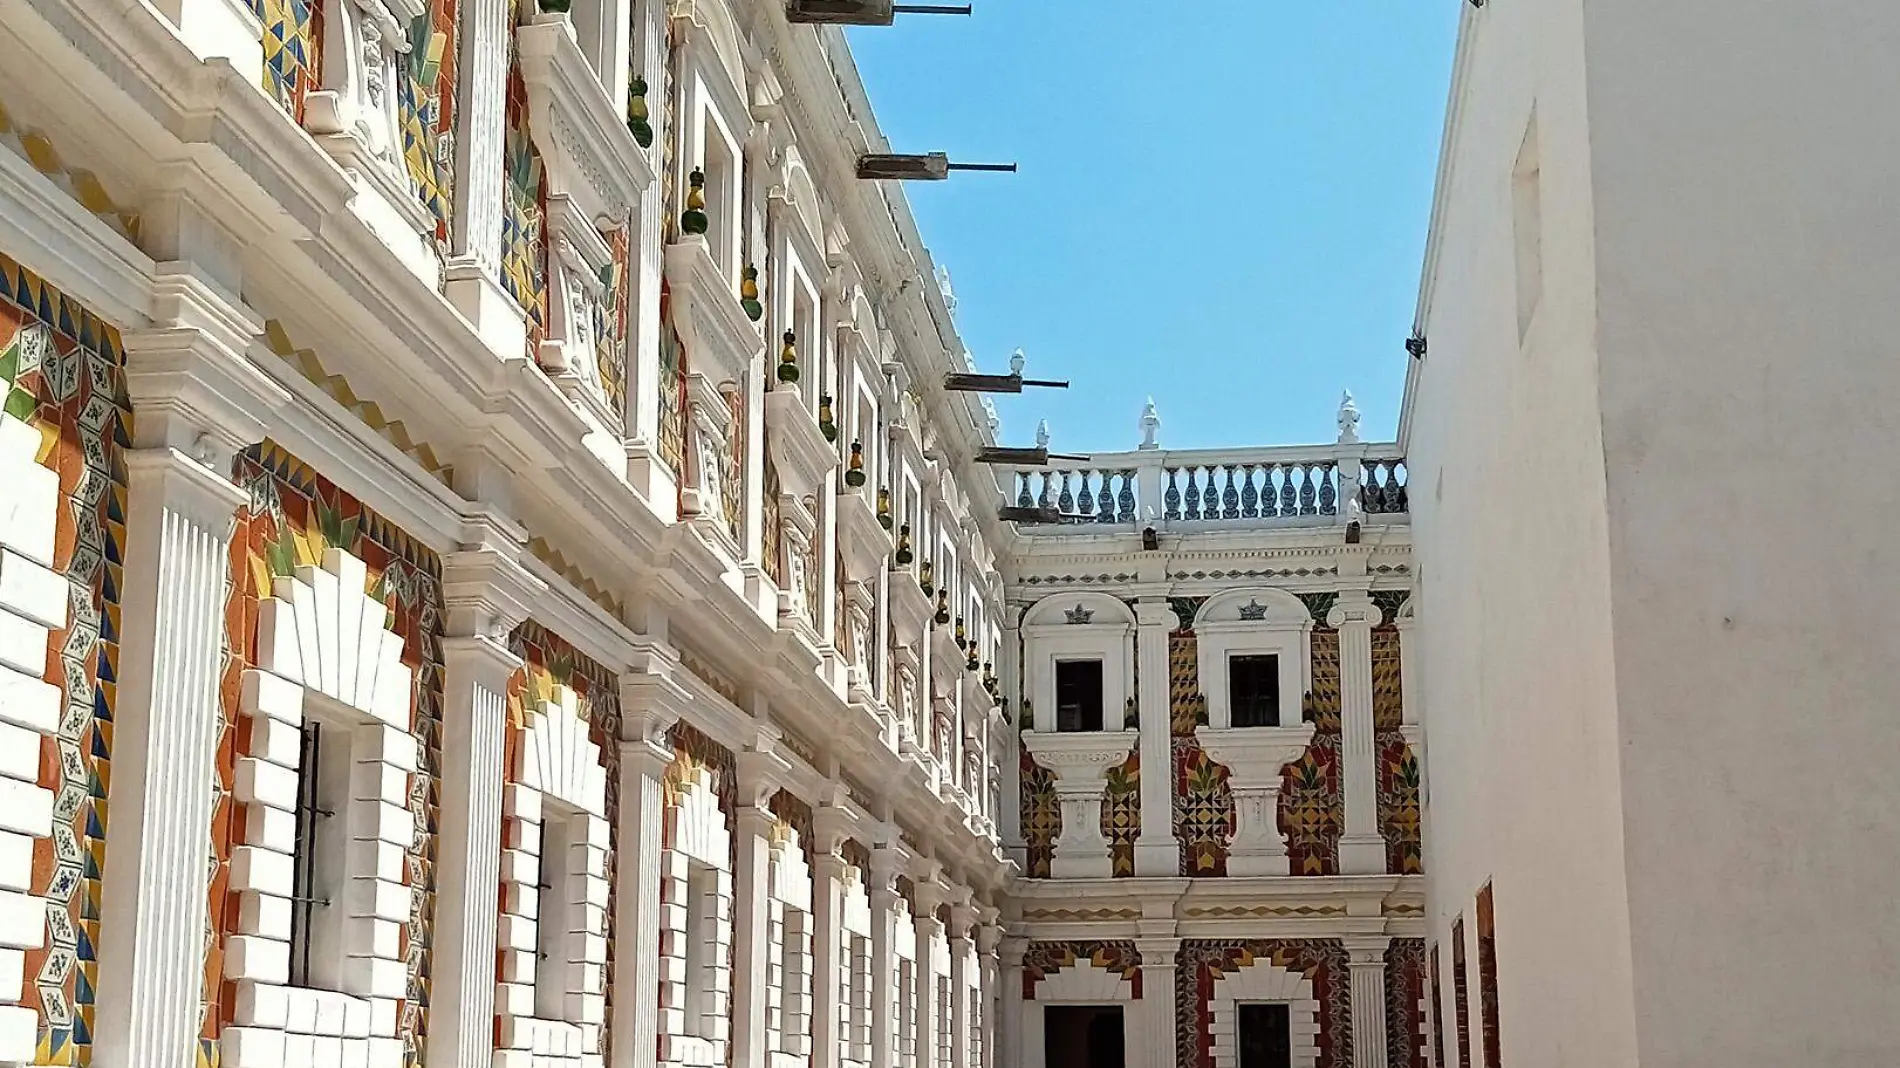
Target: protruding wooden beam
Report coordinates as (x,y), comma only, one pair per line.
(917,167)
(862,12)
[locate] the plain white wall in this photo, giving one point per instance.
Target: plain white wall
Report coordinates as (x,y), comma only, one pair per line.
(1507,496)
(1748,242)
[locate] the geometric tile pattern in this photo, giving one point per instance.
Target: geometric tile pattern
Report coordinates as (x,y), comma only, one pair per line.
(293,515)
(1121,814)
(1203,803)
(1404,998)
(1041,814)
(1044,959)
(80,184)
(610,323)
(548,662)
(1398,786)
(695,751)
(62,373)
(734,476)
(671,383)
(524,209)
(368,412)
(772,535)
(1201,962)
(425,107)
(293,50)
(1312,800)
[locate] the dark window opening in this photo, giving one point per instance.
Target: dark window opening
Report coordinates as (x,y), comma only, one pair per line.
(1079,695)
(304,900)
(1266,1036)
(1253,690)
(1083,1036)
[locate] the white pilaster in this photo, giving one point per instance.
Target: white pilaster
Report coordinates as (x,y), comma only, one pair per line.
(1011,996)
(1010,762)
(645,469)
(1157,852)
(1155,1047)
(928,928)
(964,1001)
(989,936)
(651,698)
(1366,961)
(1361,846)
(828,965)
(472,278)
(199,402)
(487,595)
(760,771)
(884,902)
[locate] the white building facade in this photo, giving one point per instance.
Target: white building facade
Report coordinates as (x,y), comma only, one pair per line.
(490,578)
(1218,824)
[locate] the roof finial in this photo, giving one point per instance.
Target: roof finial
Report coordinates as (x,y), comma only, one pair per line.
(1150,425)
(1348,419)
(1042,434)
(1016,362)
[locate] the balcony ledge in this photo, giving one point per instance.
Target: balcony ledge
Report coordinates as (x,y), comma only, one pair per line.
(1255,754)
(708,316)
(799,449)
(591,155)
(865,542)
(1080,759)
(911,608)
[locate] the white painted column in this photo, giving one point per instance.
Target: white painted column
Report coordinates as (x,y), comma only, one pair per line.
(1153,1045)
(472,276)
(645,469)
(1366,960)
(199,402)
(488,596)
(1361,847)
(1157,852)
(928,927)
(1009,761)
(761,769)
(828,965)
(963,919)
(650,701)
(1012,1054)
(884,902)
(989,935)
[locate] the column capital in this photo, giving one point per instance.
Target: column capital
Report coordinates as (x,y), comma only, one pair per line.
(652,697)
(1155,611)
(187,484)
(486,590)
(1158,952)
(1365,951)
(1353,607)
(1014,949)
(989,937)
(763,770)
(188,374)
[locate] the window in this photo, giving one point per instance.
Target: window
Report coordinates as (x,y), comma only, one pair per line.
(1438,1012)
(1253,690)
(722,202)
(1078,695)
(318,858)
(552,919)
(1488,978)
(701,913)
(1460,1007)
(1266,1036)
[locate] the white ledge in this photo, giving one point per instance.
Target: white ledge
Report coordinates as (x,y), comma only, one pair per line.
(1255,754)
(591,155)
(865,541)
(799,448)
(1080,758)
(720,340)
(911,608)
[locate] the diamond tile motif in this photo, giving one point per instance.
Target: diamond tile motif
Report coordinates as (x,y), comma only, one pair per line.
(1043,959)
(293,50)
(610,321)
(671,382)
(1399,816)
(1404,996)
(1041,814)
(524,211)
(292,516)
(1203,803)
(62,372)
(1121,814)
(1312,795)
(425,106)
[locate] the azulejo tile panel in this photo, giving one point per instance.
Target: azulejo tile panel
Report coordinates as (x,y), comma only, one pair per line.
(611,320)
(1203,802)
(293,514)
(548,661)
(1399,813)
(1201,962)
(1041,814)
(693,750)
(293,50)
(1312,795)
(1043,959)
(62,372)
(425,104)
(524,210)
(671,383)
(1404,993)
(1121,814)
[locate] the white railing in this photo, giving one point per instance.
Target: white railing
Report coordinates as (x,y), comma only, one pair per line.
(1314,485)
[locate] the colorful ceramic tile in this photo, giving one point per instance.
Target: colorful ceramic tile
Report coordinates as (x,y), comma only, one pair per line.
(292,516)
(1399,808)
(63,373)
(524,210)
(1043,959)
(1041,814)
(733,488)
(548,661)
(1312,794)
(671,383)
(293,50)
(1404,994)
(1203,802)
(611,318)
(425,105)
(773,534)
(1201,962)
(1121,814)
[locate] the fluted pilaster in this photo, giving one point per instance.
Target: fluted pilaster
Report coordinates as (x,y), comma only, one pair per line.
(1361,847)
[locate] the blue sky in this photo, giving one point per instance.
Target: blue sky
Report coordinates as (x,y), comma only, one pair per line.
(1225,208)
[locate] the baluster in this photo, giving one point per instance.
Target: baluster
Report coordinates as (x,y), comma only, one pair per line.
(1085,497)
(1047,499)
(1371,497)
(1210,496)
(1309,503)
(1105,499)
(1401,503)
(1230,497)
(1171,499)
(1249,496)
(1066,502)
(1329,488)
(1193,494)
(1125,501)
(1289,497)
(1023,497)
(1268,493)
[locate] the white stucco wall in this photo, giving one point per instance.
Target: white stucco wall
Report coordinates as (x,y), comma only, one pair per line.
(1507,495)
(1658,669)
(1746,233)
